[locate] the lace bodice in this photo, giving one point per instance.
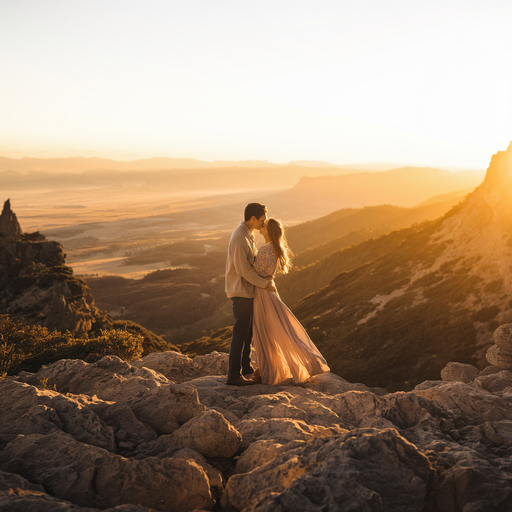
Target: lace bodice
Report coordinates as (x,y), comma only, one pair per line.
(266,261)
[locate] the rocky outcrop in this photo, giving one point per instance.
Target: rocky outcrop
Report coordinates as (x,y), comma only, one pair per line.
(500,354)
(9,225)
(120,436)
(35,284)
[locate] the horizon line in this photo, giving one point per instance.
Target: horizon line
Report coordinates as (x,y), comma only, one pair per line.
(249,162)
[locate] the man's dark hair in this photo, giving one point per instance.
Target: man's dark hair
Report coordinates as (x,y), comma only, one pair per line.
(254,210)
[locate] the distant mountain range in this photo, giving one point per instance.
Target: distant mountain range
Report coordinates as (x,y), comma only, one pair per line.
(79,164)
(407,186)
(292,193)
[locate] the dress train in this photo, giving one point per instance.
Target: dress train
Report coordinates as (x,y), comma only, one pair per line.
(282,346)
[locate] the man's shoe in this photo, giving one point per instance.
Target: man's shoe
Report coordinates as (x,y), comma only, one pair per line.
(240,381)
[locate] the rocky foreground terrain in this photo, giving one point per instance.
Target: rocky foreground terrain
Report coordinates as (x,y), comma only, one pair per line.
(166,433)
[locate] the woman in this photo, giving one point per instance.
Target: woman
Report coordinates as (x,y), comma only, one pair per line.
(282,348)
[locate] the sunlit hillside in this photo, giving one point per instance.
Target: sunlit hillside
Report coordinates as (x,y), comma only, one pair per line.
(395,321)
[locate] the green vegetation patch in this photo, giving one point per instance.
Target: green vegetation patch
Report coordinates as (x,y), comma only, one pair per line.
(29,347)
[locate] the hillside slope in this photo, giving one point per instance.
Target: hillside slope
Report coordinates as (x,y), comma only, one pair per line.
(438,297)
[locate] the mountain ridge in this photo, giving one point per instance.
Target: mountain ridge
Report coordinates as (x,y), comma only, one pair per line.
(387,322)
(162,163)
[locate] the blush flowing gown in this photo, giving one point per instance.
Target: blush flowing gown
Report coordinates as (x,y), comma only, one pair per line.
(282,348)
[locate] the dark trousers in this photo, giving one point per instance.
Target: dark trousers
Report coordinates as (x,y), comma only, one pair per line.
(239,351)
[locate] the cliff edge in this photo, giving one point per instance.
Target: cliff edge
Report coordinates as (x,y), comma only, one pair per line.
(35,284)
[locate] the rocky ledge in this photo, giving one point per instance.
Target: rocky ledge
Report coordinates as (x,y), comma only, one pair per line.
(166,433)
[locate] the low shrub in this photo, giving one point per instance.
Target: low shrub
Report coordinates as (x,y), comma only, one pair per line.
(29,347)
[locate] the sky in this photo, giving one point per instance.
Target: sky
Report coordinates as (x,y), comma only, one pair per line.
(342,81)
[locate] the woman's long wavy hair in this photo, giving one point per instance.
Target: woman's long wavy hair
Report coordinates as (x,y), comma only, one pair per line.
(278,239)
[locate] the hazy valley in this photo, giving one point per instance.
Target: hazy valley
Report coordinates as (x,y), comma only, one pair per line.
(165,238)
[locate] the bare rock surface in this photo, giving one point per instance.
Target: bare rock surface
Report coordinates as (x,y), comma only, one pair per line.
(155,401)
(120,436)
(29,410)
(19,495)
(180,368)
(495,382)
(331,383)
(471,401)
(121,418)
(110,378)
(92,477)
(209,434)
(336,472)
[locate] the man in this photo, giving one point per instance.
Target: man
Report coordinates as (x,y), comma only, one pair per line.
(240,282)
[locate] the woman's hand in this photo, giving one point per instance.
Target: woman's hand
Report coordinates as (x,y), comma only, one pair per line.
(271,287)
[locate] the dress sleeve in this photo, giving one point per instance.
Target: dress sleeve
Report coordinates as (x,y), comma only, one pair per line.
(266,261)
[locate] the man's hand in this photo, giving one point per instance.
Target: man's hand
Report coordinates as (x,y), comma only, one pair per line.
(271,287)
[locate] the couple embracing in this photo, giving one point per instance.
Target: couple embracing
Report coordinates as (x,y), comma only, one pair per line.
(283,350)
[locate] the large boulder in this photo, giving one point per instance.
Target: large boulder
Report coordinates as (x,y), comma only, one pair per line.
(459,372)
(375,469)
(209,434)
(503,336)
(166,408)
(500,357)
